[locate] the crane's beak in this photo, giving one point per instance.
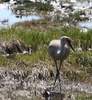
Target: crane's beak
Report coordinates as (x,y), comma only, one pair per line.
(71,47)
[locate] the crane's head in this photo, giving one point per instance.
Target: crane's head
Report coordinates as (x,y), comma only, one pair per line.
(66,39)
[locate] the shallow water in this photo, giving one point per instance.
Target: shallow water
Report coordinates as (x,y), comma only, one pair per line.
(8,18)
(86,24)
(84,5)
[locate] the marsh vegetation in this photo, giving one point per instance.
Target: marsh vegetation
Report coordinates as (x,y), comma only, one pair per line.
(37,35)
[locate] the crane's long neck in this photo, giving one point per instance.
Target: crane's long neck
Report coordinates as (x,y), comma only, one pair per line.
(60,52)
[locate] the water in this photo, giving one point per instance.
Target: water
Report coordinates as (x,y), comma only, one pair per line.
(86,24)
(77,0)
(8,18)
(85,5)
(84,0)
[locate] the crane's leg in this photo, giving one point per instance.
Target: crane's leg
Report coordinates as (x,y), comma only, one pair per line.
(59,81)
(59,74)
(56,72)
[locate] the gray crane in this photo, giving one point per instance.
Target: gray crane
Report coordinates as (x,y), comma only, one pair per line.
(60,50)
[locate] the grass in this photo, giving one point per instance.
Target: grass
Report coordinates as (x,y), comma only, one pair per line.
(83,96)
(77,67)
(38,6)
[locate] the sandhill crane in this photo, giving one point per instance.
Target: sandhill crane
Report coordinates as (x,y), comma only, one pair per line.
(59,50)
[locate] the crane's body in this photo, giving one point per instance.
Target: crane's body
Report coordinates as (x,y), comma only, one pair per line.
(59,50)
